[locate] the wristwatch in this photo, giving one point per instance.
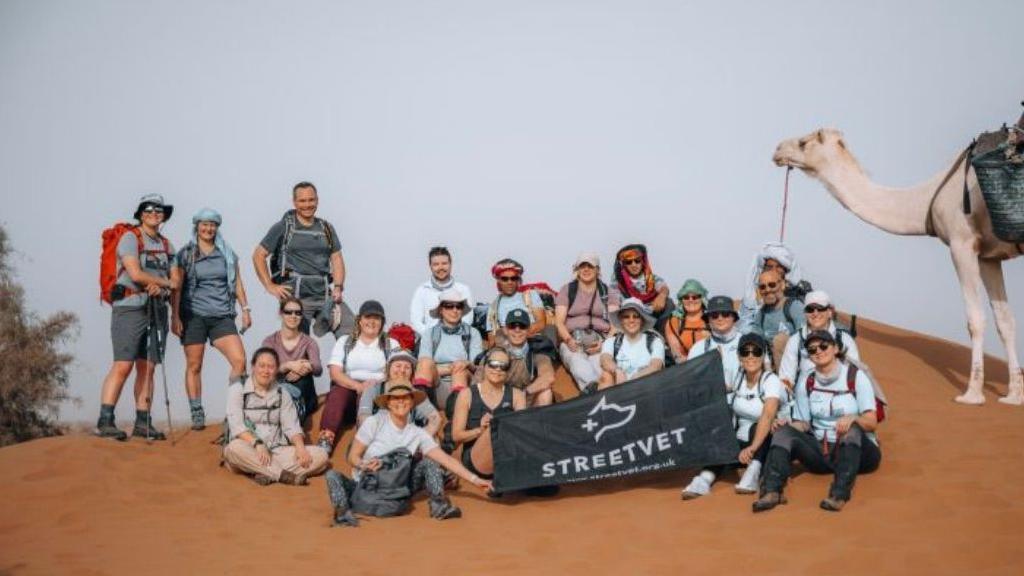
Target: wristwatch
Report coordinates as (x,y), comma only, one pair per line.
(257,442)
(246,308)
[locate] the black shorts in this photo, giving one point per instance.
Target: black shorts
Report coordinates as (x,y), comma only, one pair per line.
(200,329)
(467,461)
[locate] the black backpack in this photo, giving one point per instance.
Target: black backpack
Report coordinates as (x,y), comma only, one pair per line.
(385,492)
(279,257)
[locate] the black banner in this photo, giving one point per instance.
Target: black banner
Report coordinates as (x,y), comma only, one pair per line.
(675,418)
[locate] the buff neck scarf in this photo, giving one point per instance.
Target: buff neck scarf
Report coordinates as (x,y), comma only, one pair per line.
(441,286)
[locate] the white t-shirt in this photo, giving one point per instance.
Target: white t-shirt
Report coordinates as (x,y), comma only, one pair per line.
(748,403)
(796,365)
(728,348)
(365,361)
(633,355)
(380,436)
(831,400)
(425,299)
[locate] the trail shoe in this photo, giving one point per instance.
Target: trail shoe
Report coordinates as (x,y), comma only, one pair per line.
(697,487)
(198,419)
(748,483)
(292,479)
(443,509)
(147,431)
(262,480)
(832,504)
(106,429)
(767,501)
(324,442)
(589,389)
(339,500)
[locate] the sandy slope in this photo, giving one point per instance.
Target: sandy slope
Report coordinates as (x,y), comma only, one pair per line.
(949,499)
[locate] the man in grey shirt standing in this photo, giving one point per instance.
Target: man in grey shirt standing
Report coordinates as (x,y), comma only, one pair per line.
(305,262)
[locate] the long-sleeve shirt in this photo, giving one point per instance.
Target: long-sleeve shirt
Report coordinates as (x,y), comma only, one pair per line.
(796,365)
(271,417)
(306,349)
(425,299)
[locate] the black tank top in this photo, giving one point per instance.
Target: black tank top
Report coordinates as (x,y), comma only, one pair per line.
(477,408)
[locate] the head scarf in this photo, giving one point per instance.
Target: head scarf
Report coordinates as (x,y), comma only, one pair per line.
(211,215)
(505,265)
(780,253)
(691,286)
(622,278)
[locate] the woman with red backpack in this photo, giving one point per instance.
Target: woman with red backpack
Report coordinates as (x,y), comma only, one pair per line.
(833,428)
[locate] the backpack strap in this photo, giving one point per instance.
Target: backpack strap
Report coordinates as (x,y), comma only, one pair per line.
(435,337)
(286,240)
(851,379)
(787,314)
(574,288)
(617,345)
(467,337)
(349,345)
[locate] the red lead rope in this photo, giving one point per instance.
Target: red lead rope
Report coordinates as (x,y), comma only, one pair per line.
(785,205)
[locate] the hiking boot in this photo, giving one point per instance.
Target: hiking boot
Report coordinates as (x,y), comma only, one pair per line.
(147,431)
(443,509)
(198,419)
(292,479)
(748,482)
(833,504)
(106,429)
(767,501)
(542,491)
(697,487)
(262,480)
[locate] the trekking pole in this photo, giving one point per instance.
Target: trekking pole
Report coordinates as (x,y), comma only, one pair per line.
(785,205)
(160,342)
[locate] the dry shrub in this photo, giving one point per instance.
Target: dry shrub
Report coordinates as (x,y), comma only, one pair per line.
(34,368)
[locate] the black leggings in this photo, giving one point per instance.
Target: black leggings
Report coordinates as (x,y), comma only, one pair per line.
(854,454)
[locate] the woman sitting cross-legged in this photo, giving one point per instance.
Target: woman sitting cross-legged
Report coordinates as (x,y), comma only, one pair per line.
(265,438)
(833,429)
(635,351)
(389,430)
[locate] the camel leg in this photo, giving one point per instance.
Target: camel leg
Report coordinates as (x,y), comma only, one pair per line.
(965,259)
(992,277)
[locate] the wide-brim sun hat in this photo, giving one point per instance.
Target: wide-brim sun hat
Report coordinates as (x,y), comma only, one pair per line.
(451,295)
(693,286)
(637,306)
(153,200)
(397,390)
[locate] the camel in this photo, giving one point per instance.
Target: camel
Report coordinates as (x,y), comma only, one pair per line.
(932,208)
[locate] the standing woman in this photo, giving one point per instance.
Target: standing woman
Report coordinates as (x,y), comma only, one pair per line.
(477,405)
(833,429)
(299,354)
(687,325)
(204,309)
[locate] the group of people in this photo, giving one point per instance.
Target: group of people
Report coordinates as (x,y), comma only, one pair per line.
(793,377)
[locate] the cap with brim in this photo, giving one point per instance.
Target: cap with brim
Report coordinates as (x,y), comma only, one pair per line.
(401,354)
(720,304)
(399,389)
(153,200)
(820,335)
(637,306)
(372,308)
(752,339)
(517,316)
(818,298)
(587,258)
(451,295)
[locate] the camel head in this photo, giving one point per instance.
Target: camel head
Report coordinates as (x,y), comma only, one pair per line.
(813,152)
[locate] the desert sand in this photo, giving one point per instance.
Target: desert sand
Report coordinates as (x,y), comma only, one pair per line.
(948,499)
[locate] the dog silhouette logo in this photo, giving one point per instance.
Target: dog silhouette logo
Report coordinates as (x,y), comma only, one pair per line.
(627,413)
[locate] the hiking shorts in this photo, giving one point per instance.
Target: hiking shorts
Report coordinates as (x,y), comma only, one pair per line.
(130,335)
(200,329)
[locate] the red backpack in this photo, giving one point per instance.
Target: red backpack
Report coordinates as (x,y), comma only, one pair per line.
(403,334)
(110,265)
(851,388)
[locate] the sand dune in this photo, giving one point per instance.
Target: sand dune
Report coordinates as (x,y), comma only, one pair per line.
(948,499)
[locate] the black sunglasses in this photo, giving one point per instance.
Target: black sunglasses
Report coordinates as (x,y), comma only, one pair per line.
(291,312)
(821,347)
(768,286)
(452,305)
(632,261)
(510,278)
(814,308)
(751,352)
(153,209)
(498,365)
(517,326)
(716,315)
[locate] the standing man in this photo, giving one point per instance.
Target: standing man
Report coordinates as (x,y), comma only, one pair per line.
(139,301)
(425,298)
(306,262)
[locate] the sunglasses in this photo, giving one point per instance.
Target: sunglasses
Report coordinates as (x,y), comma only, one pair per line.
(812,349)
(629,316)
(517,327)
(814,308)
(291,312)
(690,297)
(498,365)
(510,278)
(630,261)
(717,315)
(451,305)
(153,210)
(746,352)
(768,286)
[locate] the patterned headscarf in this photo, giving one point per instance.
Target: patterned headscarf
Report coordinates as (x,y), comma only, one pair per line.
(505,265)
(631,252)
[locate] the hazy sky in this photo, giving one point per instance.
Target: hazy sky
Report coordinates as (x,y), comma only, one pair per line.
(526,129)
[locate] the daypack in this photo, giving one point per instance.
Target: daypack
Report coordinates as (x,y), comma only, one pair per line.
(851,388)
(297,400)
(404,334)
(464,333)
(650,335)
(225,437)
(382,341)
(797,291)
(110,264)
(385,492)
(279,257)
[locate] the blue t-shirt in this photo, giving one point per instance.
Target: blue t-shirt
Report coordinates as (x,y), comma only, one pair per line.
(831,399)
(450,347)
(205,290)
(507,304)
(154,261)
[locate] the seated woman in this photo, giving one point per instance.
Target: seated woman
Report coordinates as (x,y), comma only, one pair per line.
(636,351)
(756,398)
(448,348)
(582,308)
(299,355)
(820,315)
(357,363)
(531,372)
(833,429)
(635,279)
(386,431)
(265,438)
(399,371)
(476,405)
(687,325)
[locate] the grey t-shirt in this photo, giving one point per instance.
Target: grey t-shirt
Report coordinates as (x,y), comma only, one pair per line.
(308,253)
(450,347)
(770,323)
(205,290)
(154,260)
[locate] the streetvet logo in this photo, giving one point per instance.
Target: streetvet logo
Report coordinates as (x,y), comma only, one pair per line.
(628,413)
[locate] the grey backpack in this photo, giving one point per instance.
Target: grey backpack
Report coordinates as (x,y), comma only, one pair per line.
(385,492)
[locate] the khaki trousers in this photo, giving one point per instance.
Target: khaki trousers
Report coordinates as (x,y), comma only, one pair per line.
(241,457)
